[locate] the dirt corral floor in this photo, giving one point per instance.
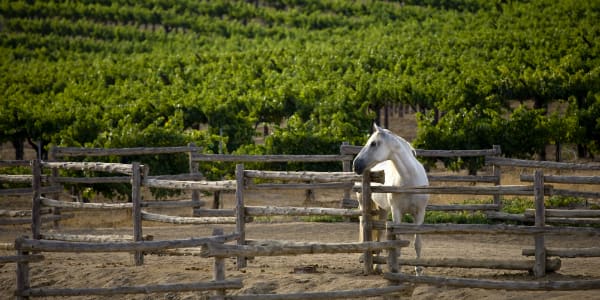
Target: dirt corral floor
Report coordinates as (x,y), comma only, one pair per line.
(276,274)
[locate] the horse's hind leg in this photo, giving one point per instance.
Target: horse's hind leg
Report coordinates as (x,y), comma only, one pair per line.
(418,269)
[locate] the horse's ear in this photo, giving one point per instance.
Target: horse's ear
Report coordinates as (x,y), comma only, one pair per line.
(376,128)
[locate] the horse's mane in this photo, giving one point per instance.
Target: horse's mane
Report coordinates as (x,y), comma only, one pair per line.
(406,146)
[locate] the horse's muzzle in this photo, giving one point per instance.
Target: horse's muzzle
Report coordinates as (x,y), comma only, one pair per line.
(358,166)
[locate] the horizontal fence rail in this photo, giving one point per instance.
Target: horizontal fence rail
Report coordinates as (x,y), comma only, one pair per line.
(511,162)
(90,166)
(350,149)
(565,179)
(304,176)
(62,246)
(146,216)
(269,158)
(488,229)
(552,265)
(296,248)
(74,151)
(466,190)
(224,185)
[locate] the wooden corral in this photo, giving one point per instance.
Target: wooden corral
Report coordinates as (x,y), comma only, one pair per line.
(44,187)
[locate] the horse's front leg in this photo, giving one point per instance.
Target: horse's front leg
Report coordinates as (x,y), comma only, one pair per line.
(379,236)
(396,219)
(382,215)
(419,219)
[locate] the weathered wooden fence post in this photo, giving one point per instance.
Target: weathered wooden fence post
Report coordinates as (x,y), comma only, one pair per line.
(393,254)
(219,267)
(346,167)
(498,175)
(22,275)
(240,212)
(194,170)
(539,268)
(366,224)
(52,182)
(136,181)
(36,205)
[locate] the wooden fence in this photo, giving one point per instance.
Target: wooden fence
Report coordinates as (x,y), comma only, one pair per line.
(84,243)
(135,173)
(212,247)
(192,180)
(540,217)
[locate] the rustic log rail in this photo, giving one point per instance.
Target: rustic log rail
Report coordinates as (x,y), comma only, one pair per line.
(567,213)
(25,244)
(511,162)
(569,180)
(68,205)
(281,248)
(146,216)
(92,166)
(564,179)
(552,265)
(489,229)
(76,151)
(91,238)
(224,185)
(268,158)
(81,205)
(304,176)
(255,211)
(460,190)
(21,213)
(351,203)
(19,178)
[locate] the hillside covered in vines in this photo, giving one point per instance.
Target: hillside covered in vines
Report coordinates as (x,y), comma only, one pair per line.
(124,73)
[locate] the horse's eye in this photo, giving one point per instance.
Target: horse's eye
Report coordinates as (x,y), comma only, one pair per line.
(373,144)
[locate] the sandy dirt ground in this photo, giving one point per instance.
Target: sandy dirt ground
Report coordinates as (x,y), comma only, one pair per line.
(277,274)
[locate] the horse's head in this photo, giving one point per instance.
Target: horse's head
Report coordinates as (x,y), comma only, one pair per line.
(375,151)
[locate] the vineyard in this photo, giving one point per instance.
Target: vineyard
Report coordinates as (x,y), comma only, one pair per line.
(113,74)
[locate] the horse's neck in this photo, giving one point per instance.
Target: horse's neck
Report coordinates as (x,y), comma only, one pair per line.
(409,172)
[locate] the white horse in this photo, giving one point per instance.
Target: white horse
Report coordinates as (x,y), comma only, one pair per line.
(396,157)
